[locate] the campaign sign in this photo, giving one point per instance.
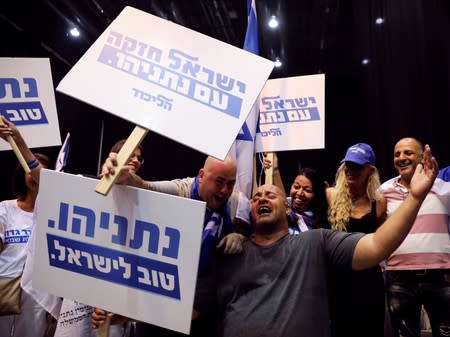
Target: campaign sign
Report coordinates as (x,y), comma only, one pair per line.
(292,114)
(134,252)
(172,80)
(27,99)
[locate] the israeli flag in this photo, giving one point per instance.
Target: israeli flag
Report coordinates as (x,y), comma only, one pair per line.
(61,161)
(243,147)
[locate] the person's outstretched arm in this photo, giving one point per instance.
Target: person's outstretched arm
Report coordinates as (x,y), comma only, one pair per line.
(373,248)
(8,129)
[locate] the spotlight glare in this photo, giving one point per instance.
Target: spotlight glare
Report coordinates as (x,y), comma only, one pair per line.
(273,22)
(277,63)
(75,32)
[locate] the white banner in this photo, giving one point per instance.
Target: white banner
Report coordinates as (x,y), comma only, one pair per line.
(172,80)
(292,114)
(27,99)
(133,252)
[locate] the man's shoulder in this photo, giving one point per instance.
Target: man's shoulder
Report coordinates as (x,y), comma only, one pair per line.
(389,183)
(239,206)
(444,174)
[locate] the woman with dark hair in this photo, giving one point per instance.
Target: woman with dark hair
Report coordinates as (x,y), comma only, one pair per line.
(307,202)
(16,224)
(306,197)
(136,160)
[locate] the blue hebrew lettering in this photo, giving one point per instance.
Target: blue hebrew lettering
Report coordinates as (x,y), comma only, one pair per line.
(301,102)
(174,242)
(73,256)
(115,39)
(219,99)
(155,73)
(182,77)
(127,273)
(291,102)
(60,250)
(122,228)
(154,54)
(170,80)
(165,102)
(88,258)
(89,216)
(129,45)
(267,102)
(12,84)
(304,114)
(167,281)
(114,266)
(241,86)
(102,264)
(63,213)
(128,63)
(24,113)
(142,48)
(176,56)
(104,220)
(191,69)
(153,231)
(209,75)
(279,104)
(32,87)
(224,82)
(145,278)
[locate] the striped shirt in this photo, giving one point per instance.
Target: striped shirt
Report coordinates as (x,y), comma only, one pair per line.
(427,245)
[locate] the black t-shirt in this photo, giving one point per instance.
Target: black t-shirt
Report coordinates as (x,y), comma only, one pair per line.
(279,290)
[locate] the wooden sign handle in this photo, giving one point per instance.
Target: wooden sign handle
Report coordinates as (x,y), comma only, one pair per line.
(19,155)
(135,138)
(269,172)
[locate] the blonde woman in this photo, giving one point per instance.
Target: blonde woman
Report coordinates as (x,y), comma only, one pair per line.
(357,301)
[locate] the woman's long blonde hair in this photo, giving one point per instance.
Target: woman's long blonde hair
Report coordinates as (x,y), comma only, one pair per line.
(340,208)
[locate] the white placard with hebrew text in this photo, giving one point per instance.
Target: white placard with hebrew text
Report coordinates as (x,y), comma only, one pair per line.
(133,252)
(172,80)
(292,114)
(27,99)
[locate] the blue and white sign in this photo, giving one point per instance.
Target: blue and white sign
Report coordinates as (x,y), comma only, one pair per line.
(292,114)
(172,80)
(124,252)
(27,99)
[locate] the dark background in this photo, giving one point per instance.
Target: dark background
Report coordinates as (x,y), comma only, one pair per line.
(402,91)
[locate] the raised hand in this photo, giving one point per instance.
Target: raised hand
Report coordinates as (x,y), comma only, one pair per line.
(424,175)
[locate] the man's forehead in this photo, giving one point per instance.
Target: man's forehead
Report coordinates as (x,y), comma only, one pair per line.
(268,188)
(407,143)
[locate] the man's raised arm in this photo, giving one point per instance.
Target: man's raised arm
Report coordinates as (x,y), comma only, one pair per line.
(373,248)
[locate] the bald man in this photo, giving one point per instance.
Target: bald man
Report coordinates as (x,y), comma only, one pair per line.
(278,285)
(418,272)
(214,185)
(223,227)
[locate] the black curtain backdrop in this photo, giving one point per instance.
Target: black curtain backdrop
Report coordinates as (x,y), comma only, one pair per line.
(402,91)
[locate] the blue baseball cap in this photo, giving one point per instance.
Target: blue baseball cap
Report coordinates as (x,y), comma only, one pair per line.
(361,154)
